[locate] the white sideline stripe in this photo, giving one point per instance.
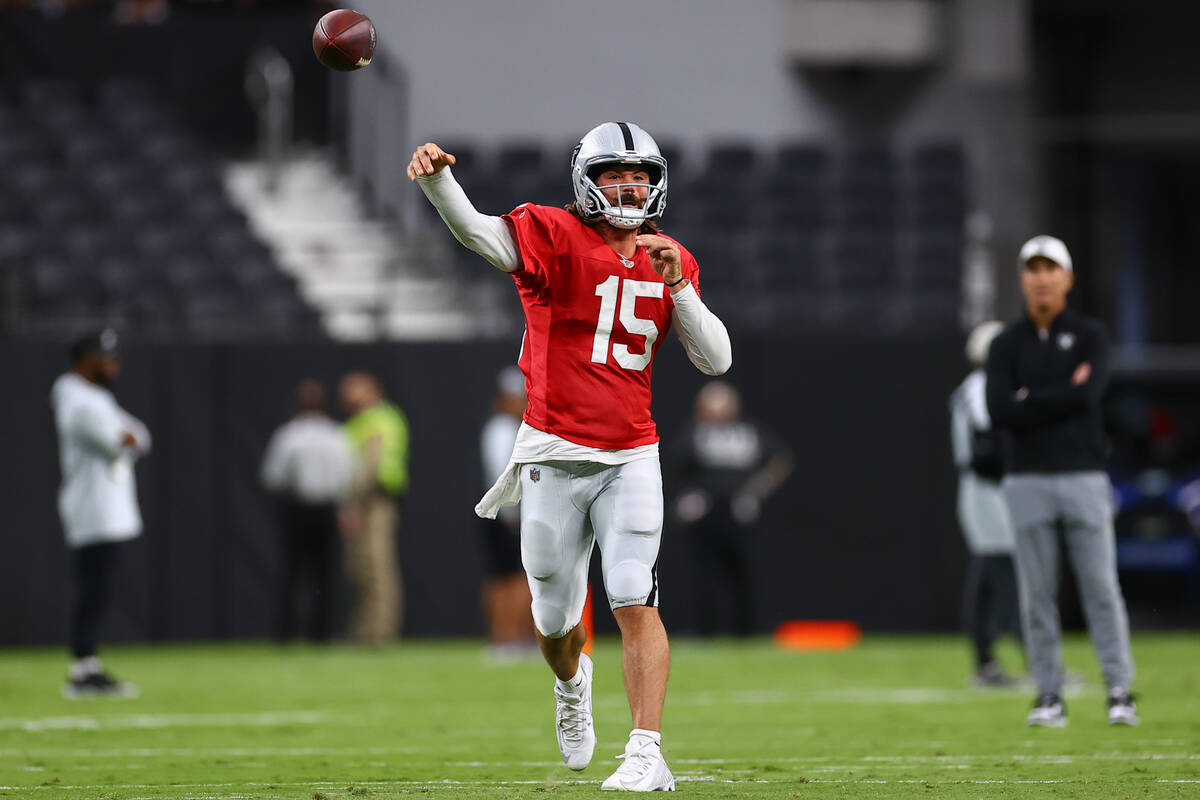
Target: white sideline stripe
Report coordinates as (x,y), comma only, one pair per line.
(1038,759)
(450,784)
(951,760)
(14,752)
(261,719)
(911,695)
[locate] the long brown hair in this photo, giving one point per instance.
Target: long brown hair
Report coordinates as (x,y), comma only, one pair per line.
(649,226)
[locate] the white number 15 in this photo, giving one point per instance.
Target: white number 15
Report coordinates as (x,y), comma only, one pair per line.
(607,292)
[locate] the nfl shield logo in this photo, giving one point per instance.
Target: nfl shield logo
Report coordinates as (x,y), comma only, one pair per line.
(535,474)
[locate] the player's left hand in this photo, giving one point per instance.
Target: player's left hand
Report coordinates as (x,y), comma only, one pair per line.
(664,256)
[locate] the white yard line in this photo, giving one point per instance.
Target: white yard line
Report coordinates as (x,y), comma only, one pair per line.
(867,695)
(136,721)
(951,760)
(453,784)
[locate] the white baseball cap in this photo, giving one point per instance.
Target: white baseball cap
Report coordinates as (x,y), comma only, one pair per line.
(1047,247)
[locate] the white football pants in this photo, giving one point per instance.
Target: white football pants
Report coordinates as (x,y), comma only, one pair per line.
(568,505)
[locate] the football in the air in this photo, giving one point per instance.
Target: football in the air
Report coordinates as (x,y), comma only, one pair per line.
(344,40)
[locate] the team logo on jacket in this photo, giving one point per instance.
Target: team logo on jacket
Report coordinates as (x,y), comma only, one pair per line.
(535,474)
(1066,340)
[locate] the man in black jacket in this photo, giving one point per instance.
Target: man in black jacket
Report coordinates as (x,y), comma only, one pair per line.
(728,466)
(1046,374)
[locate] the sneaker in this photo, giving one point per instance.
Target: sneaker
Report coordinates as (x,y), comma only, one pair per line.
(573,720)
(1048,711)
(1122,707)
(643,769)
(98,684)
(992,676)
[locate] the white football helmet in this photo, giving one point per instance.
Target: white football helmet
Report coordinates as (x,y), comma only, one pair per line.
(618,143)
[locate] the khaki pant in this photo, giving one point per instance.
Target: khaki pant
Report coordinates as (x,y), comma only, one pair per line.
(378,605)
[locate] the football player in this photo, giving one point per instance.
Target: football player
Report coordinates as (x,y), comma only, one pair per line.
(600,286)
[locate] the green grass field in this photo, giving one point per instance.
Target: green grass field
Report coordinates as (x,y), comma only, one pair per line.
(891,718)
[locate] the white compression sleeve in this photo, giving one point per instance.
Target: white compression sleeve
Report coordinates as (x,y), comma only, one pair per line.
(702,333)
(488,236)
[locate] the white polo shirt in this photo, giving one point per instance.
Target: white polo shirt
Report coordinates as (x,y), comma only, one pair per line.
(97,501)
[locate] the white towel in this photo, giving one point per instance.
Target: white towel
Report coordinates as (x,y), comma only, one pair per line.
(506,491)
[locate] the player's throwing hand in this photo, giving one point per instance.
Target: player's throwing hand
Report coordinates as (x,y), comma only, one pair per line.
(428,159)
(664,256)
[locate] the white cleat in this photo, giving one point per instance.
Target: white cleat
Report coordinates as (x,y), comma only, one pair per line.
(573,720)
(1048,712)
(643,769)
(1122,708)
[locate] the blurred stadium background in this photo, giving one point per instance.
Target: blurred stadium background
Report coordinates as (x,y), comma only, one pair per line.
(854,177)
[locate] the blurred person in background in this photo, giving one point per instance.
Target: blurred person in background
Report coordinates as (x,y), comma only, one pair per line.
(370,517)
(585,466)
(990,594)
(309,465)
(728,466)
(506,596)
(1046,375)
(98,444)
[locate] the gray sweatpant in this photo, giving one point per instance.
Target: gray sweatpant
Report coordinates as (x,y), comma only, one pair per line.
(1077,505)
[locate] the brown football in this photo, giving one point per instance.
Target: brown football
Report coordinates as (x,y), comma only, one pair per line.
(344,40)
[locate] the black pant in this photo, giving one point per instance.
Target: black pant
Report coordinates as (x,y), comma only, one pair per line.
(92,569)
(990,605)
(310,565)
(722,548)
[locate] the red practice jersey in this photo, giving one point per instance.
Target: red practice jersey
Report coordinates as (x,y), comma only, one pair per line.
(593,322)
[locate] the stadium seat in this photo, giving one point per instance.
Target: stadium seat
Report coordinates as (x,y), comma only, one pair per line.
(166,148)
(159,243)
(115,179)
(15,209)
(793,205)
(519,156)
(57,282)
(869,162)
(945,159)
(35,179)
(119,95)
(732,156)
(863,263)
(86,242)
(784,261)
(937,263)
(62,211)
(807,161)
(25,145)
(717,253)
(91,144)
(17,243)
(139,209)
(190,179)
(42,94)
(120,277)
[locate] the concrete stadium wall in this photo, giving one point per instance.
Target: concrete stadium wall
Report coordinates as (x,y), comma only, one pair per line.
(698,69)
